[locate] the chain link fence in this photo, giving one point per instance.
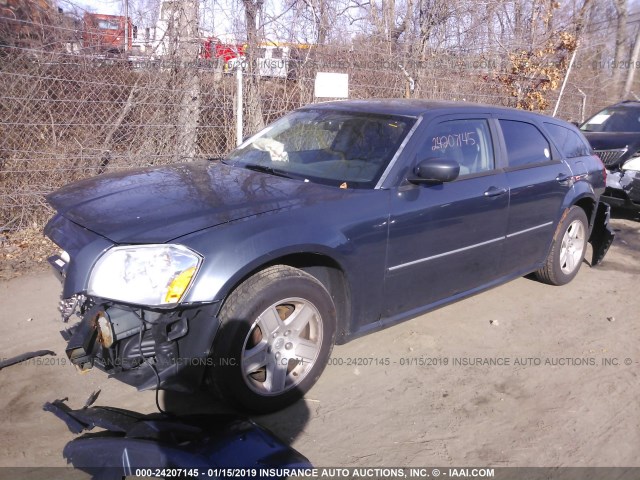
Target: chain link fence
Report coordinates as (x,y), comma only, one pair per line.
(68,115)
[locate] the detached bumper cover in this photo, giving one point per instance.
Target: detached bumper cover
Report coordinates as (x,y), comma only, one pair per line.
(601,235)
(197,445)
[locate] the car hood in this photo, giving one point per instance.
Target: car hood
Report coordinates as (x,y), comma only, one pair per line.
(156,205)
(613,140)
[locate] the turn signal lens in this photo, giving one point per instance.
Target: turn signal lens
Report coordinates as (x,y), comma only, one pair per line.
(179,285)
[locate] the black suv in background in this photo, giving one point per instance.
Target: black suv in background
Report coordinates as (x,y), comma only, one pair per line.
(614,134)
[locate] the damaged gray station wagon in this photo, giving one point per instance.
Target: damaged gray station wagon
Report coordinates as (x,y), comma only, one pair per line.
(335,221)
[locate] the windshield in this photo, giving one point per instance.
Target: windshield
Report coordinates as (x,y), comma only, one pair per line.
(614,120)
(349,150)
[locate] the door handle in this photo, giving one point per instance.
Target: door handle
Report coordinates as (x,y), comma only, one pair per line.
(495,191)
(564,179)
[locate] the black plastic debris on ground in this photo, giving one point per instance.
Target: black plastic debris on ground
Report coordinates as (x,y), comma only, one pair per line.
(133,444)
(23,357)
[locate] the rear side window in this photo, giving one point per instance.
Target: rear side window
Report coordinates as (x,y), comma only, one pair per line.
(525,144)
(568,141)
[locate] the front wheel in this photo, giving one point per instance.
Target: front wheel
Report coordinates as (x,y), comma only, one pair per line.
(277,331)
(568,249)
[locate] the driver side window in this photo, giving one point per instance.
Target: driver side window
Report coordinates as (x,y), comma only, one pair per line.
(468,142)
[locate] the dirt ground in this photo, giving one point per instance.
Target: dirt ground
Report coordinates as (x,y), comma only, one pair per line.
(551,402)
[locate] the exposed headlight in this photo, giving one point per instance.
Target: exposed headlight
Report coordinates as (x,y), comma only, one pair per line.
(144,274)
(633,163)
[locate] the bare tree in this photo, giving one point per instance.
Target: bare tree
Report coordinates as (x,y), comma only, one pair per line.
(316,14)
(635,54)
(253,99)
(431,14)
(621,44)
(188,49)
(383,18)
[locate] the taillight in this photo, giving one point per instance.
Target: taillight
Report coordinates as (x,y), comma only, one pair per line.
(604,169)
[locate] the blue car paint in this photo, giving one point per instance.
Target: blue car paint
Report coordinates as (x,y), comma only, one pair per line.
(404,248)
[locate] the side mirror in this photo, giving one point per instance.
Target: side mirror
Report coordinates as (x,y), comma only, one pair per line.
(435,170)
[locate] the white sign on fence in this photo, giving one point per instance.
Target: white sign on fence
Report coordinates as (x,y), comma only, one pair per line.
(332,85)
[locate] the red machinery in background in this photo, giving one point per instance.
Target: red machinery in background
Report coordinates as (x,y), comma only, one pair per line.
(106,33)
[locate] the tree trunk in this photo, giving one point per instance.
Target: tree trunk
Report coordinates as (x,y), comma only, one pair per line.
(431,13)
(532,27)
(631,72)
(183,80)
(323,22)
(621,40)
(253,100)
(582,14)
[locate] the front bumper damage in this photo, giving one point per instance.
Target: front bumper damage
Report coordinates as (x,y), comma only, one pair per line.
(194,446)
(144,347)
(141,347)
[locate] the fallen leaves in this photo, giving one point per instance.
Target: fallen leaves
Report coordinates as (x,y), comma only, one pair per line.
(22,251)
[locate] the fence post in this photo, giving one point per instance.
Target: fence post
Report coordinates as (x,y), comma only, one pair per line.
(238,103)
(583,106)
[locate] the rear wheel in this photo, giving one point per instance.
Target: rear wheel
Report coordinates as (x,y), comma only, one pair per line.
(568,249)
(277,331)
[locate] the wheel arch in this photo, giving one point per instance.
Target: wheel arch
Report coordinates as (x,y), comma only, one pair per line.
(589,205)
(322,266)
(583,196)
(551,269)
(586,201)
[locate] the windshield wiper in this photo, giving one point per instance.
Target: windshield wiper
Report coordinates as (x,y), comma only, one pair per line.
(264,169)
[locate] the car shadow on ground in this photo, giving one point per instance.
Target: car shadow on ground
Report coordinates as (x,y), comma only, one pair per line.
(287,424)
(626,225)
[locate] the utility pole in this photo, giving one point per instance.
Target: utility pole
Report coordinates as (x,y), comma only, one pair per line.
(239,106)
(632,70)
(126,27)
(564,82)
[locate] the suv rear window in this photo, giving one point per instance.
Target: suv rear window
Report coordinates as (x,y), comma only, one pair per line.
(526,145)
(621,119)
(568,141)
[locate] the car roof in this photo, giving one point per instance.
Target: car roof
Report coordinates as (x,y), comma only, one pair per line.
(626,104)
(418,107)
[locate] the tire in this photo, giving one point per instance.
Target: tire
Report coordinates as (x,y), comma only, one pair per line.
(568,249)
(266,372)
